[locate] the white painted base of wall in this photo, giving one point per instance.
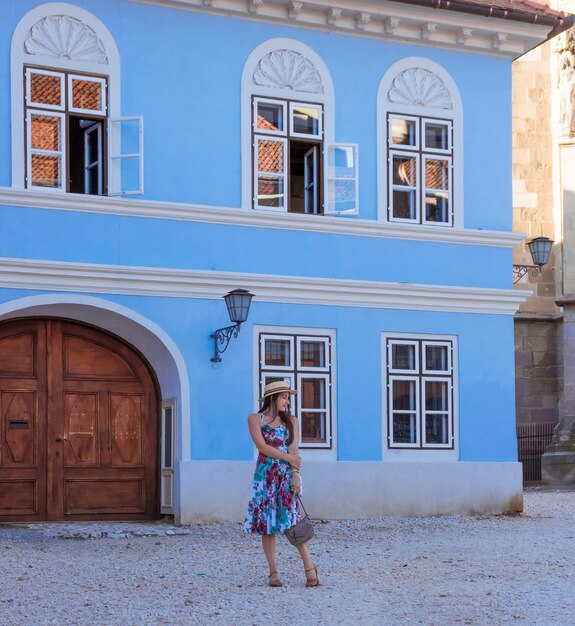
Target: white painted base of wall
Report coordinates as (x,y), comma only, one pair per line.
(219,490)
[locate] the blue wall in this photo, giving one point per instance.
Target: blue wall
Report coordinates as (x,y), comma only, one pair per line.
(181,70)
(222,394)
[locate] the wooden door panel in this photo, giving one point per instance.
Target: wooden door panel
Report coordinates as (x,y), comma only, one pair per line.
(87,359)
(126,430)
(119,496)
(82,429)
(18,410)
(18,497)
(17,355)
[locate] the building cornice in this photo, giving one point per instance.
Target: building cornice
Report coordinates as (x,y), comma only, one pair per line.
(178,283)
(394,21)
(255,219)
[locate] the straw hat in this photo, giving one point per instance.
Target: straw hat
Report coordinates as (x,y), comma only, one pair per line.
(279,386)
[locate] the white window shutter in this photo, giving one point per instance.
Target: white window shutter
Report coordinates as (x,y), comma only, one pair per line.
(341,181)
(126,156)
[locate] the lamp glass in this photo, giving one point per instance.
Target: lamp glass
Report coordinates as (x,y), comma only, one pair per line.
(238,302)
(540,249)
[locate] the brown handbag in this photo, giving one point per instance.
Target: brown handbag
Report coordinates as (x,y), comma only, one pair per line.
(301,532)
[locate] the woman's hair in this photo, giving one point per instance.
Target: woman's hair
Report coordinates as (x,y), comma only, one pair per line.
(271,401)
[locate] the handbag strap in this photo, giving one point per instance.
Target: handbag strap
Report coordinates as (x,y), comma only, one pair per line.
(302,506)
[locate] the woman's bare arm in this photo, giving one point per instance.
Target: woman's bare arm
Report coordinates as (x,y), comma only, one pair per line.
(294,449)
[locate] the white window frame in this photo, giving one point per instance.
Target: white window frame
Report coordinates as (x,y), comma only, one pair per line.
(115,156)
(51,153)
(425,412)
(395,187)
(167,469)
(416,411)
(400,342)
(90,79)
(400,146)
(326,411)
(437,156)
(439,122)
(283,104)
(427,452)
(328,177)
(280,368)
(307,105)
(41,105)
(283,176)
(444,344)
(318,339)
(313,451)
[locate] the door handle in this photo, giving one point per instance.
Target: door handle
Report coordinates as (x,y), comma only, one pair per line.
(58,439)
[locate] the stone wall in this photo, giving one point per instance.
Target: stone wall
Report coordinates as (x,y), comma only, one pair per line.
(538,367)
(533,170)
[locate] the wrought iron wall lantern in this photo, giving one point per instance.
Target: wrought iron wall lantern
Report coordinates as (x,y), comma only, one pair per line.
(540,249)
(238,302)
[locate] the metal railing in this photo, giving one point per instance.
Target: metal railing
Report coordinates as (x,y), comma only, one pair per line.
(532,439)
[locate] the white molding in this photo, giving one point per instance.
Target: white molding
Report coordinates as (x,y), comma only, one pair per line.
(20,57)
(255,219)
(387,21)
(249,88)
(454,113)
(178,283)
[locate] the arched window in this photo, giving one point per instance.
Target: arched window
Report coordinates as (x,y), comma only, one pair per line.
(420,145)
(67,135)
(289,158)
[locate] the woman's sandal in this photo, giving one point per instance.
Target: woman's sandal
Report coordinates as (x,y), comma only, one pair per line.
(312,582)
(274,580)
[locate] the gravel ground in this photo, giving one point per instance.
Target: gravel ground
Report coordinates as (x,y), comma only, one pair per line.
(436,570)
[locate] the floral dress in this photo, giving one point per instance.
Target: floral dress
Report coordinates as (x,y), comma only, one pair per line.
(273,508)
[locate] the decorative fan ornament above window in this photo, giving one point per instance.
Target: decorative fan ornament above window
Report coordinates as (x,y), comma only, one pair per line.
(286,69)
(421,88)
(65,37)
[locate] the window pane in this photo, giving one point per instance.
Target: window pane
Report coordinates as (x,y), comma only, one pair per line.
(436,429)
(313,428)
(436,398)
(312,392)
(403,132)
(270,156)
(45,89)
(437,206)
(46,171)
(404,428)
(277,352)
(404,170)
(87,94)
(403,356)
(341,162)
(168,418)
(270,192)
(437,174)
(437,136)
(436,358)
(341,195)
(46,132)
(404,205)
(270,116)
(305,120)
(403,398)
(312,353)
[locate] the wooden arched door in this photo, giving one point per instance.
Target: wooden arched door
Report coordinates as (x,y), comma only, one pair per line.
(78,425)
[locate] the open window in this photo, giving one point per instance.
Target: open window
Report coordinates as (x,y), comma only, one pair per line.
(69,133)
(293,169)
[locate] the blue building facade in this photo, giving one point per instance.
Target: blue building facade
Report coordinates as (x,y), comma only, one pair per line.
(350,168)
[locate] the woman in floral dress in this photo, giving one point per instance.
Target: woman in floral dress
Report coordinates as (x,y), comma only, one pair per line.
(274,506)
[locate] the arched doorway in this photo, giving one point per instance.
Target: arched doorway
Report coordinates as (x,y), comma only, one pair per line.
(78,425)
